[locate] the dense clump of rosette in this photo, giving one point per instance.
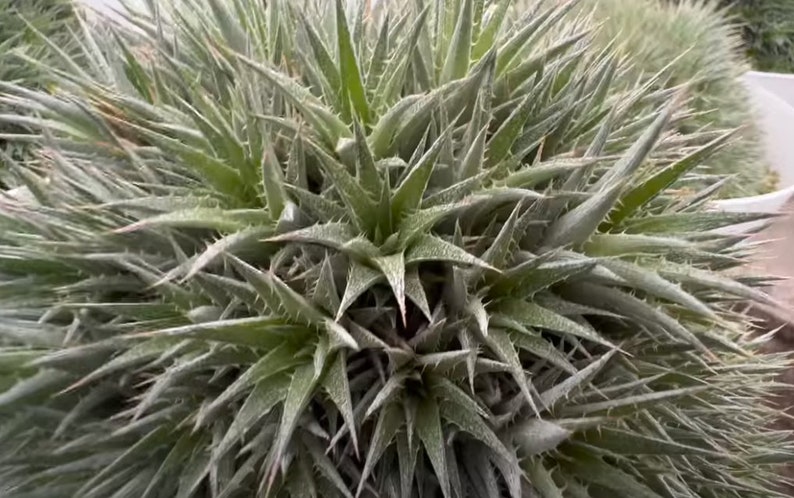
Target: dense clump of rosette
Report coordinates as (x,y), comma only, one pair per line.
(305,249)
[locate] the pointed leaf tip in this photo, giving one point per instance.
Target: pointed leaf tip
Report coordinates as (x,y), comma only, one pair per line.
(393,268)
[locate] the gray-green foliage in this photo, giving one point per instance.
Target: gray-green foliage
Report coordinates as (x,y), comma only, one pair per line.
(20,21)
(305,251)
(767,28)
(698,44)
(22,24)
(768,32)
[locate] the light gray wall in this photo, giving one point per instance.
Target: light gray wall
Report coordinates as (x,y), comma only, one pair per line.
(101,4)
(109,5)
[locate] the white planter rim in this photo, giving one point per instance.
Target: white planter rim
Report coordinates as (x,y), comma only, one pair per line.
(769,75)
(771,202)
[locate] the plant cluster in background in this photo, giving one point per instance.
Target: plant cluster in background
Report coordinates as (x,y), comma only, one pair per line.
(20,21)
(768,32)
(308,251)
(767,28)
(691,42)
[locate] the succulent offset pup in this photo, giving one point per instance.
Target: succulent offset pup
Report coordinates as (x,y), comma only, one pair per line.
(310,250)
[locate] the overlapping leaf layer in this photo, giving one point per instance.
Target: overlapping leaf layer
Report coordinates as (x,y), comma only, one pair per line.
(308,249)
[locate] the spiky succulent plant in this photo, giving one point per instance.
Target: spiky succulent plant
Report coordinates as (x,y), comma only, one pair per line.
(305,249)
(19,21)
(697,42)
